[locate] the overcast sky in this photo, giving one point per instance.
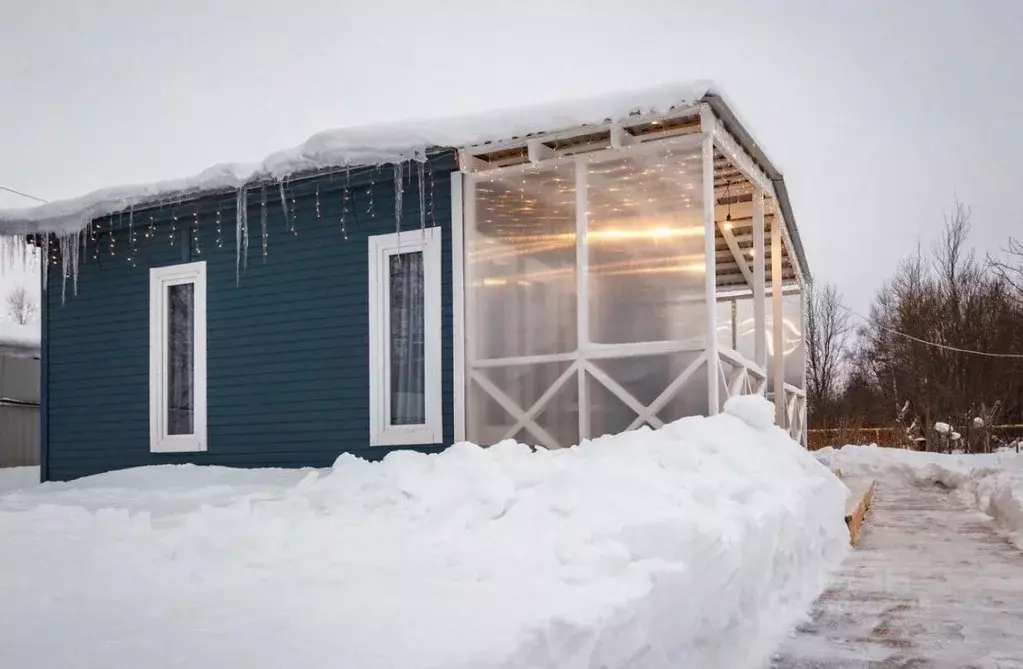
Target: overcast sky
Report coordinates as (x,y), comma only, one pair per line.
(879,112)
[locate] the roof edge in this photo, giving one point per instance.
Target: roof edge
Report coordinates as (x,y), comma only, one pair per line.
(734,126)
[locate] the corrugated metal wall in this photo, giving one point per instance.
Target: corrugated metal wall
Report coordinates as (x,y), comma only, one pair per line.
(288,348)
(19,411)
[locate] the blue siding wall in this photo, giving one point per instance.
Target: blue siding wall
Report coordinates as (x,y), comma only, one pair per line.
(288,348)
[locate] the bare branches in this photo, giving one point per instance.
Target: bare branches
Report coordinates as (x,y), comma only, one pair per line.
(948,298)
(22,307)
(1011,270)
(827,333)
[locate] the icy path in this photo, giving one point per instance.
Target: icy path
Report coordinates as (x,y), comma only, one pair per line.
(931,584)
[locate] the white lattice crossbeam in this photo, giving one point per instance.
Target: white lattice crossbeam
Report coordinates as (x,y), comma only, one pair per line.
(509,405)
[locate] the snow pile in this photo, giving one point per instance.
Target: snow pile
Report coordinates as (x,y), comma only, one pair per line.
(696,545)
(15,478)
(993,483)
(369,145)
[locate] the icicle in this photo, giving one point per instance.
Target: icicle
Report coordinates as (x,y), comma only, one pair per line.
(63,243)
(46,262)
(76,260)
(317,199)
(284,204)
(262,220)
(110,230)
(241,229)
(422,195)
(399,189)
(220,230)
(245,230)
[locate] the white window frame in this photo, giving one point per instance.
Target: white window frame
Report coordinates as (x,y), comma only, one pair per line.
(381,248)
(160,279)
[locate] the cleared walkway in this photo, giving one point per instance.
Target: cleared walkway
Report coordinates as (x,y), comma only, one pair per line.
(931,584)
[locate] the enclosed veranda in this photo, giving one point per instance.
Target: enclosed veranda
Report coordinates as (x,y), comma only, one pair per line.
(623,275)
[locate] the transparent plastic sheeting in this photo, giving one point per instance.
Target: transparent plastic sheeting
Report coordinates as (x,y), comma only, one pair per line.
(644,272)
(740,332)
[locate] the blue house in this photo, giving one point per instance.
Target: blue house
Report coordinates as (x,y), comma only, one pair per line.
(545,274)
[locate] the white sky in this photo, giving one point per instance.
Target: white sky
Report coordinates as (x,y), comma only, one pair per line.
(878,112)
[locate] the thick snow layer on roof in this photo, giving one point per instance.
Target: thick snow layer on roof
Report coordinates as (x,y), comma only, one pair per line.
(18,339)
(696,545)
(367,145)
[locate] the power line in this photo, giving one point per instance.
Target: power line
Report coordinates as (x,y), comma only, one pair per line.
(1013,356)
(18,192)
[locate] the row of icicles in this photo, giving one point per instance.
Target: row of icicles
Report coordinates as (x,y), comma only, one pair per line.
(71,247)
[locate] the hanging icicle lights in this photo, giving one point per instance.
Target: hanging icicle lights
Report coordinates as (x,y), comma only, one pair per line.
(195,231)
(68,249)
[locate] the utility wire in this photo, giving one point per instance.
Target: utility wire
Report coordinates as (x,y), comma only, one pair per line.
(1013,356)
(18,192)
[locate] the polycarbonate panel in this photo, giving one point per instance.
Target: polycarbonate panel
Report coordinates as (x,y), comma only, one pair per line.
(646,269)
(745,329)
(644,377)
(726,332)
(792,339)
(691,399)
(645,279)
(792,336)
(521,258)
(560,417)
(487,422)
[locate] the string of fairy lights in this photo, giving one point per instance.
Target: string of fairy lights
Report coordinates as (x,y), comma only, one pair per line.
(652,199)
(115,234)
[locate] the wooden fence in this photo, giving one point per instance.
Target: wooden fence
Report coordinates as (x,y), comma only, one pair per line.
(895,437)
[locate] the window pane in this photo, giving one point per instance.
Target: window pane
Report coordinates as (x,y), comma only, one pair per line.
(408,334)
(180,359)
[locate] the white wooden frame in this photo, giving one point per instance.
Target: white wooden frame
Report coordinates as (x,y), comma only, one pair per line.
(728,373)
(581,360)
(160,280)
(458,302)
(381,248)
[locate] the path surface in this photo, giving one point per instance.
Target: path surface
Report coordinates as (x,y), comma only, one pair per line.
(931,585)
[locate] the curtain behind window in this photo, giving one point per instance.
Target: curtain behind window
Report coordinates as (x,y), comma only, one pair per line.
(180,358)
(408,337)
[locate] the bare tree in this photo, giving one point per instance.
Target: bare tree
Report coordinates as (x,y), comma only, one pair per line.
(916,351)
(21,306)
(827,333)
(1011,271)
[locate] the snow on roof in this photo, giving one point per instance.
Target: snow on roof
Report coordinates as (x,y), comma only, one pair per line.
(19,340)
(366,145)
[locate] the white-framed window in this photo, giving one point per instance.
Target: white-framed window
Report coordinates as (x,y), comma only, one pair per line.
(405,338)
(177,358)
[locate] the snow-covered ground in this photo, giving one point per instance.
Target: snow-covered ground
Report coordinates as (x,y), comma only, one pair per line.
(992,483)
(697,545)
(15,478)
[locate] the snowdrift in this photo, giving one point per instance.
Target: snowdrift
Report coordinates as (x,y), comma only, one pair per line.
(993,483)
(696,545)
